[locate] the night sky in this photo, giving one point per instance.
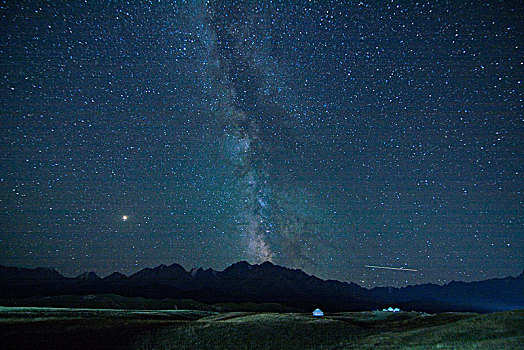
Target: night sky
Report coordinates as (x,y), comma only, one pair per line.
(318,135)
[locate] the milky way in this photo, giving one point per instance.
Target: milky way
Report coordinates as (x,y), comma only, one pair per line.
(249,108)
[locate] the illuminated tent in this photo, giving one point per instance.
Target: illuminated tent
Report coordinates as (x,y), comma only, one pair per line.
(318,312)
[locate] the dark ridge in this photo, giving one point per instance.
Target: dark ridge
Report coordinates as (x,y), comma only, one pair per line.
(266,283)
(88,276)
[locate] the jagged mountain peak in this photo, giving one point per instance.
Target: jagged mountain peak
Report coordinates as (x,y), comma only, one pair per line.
(173,271)
(115,276)
(88,276)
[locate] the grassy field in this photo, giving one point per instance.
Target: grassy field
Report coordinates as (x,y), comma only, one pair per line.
(53,328)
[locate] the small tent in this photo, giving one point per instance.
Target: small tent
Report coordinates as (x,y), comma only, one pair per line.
(318,312)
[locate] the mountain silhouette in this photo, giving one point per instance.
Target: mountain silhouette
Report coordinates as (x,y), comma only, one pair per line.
(266,283)
(88,276)
(115,277)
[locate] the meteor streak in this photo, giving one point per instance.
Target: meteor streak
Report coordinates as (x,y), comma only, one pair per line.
(389,268)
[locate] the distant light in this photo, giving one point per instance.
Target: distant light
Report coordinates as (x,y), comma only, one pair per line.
(389,268)
(124,218)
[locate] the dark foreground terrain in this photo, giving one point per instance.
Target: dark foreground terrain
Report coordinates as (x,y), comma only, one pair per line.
(54,328)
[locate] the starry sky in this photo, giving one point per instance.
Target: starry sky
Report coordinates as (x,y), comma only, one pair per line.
(320,135)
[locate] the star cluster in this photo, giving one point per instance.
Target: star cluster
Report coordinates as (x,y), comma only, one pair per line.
(319,135)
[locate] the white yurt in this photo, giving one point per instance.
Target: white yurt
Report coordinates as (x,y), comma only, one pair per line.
(318,312)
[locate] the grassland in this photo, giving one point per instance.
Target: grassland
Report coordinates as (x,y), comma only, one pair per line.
(53,328)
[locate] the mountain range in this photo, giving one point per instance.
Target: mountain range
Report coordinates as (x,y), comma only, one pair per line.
(266,283)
